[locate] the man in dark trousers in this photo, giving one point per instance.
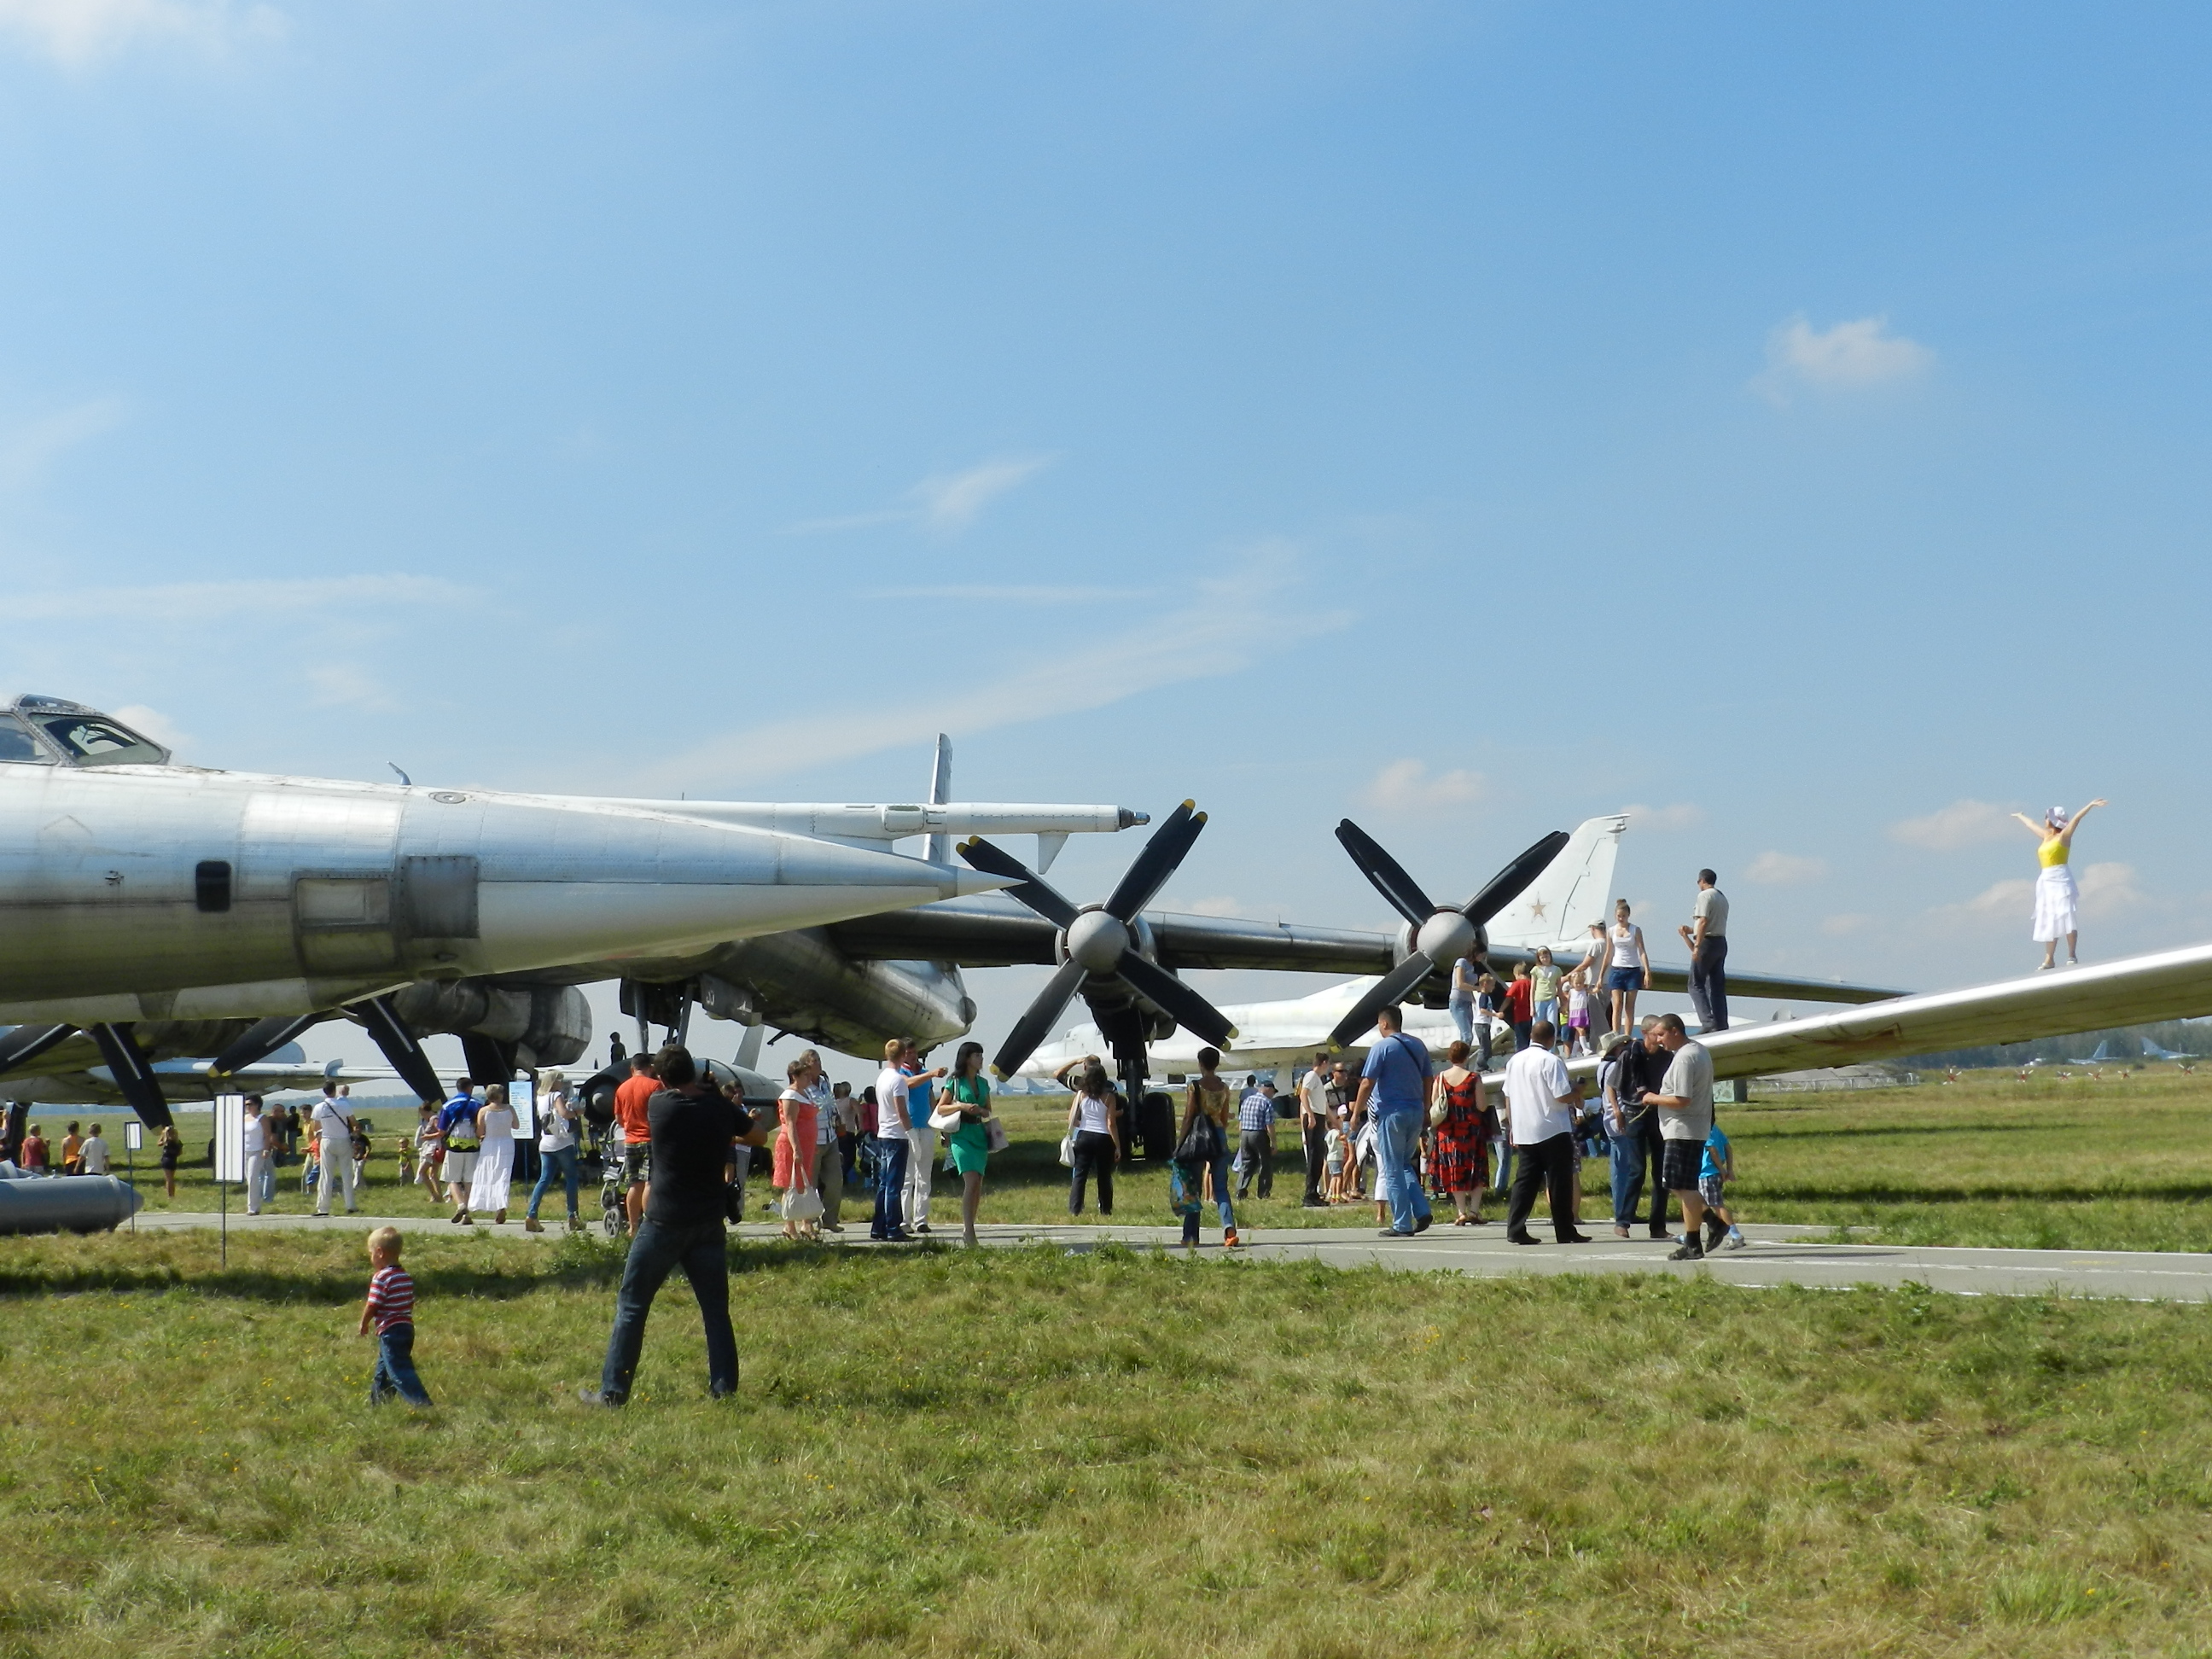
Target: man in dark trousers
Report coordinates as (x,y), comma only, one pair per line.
(1543,1102)
(695,1132)
(1706,935)
(1638,1145)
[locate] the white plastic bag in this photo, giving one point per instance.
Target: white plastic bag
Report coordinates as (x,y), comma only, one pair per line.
(1067,1151)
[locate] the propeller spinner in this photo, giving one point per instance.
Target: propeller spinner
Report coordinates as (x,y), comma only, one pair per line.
(1440,933)
(1098,941)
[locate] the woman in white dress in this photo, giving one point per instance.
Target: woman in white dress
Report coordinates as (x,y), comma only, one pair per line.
(495,1172)
(2056,897)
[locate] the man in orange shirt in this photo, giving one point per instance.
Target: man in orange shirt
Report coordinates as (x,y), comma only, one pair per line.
(630,1097)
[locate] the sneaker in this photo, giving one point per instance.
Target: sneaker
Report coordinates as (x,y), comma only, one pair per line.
(1715,1230)
(593,1397)
(1424,1224)
(1228,1240)
(1736,1242)
(1392,1232)
(920,1230)
(1621,1232)
(1688,1250)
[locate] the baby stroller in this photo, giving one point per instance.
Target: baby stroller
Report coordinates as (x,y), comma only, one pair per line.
(613,1217)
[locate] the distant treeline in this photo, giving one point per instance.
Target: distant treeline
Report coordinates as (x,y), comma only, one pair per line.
(2190,1037)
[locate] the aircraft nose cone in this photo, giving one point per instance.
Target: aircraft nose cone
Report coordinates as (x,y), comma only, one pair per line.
(1096,940)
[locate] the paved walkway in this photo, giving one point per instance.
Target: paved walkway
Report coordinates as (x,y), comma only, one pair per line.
(1776,1255)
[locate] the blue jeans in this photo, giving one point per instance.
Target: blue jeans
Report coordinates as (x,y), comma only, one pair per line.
(1462,1015)
(704,1253)
(1709,985)
(1219,1166)
(1635,1147)
(395,1369)
(1398,1151)
(563,1161)
(891,1187)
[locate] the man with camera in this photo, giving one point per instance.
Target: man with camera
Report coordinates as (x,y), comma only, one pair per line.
(694,1133)
(1632,1069)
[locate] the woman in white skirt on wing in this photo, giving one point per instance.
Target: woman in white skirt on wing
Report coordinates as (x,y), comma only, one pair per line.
(2056,897)
(495,1175)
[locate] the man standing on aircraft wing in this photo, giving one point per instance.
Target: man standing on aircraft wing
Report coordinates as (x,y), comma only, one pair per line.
(1396,1086)
(1707,938)
(1685,1102)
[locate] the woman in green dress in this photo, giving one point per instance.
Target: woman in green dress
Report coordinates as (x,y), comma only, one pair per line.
(969,1094)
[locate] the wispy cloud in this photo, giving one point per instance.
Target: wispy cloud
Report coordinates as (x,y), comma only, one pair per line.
(944,503)
(75,32)
(1407,785)
(1225,624)
(1860,353)
(197,603)
(1012,593)
(1681,816)
(341,684)
(1849,921)
(1962,824)
(29,449)
(1784,870)
(154,723)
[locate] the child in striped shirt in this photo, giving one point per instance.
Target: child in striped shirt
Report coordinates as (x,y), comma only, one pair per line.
(390,1306)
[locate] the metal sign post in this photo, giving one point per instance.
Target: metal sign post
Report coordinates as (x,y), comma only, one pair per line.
(134,1137)
(229,1156)
(522,1095)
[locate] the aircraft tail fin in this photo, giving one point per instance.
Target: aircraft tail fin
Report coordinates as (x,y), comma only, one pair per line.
(938,848)
(1559,905)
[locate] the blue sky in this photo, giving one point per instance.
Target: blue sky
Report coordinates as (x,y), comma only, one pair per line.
(1790,421)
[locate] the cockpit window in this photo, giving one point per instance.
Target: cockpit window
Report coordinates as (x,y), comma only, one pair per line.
(101,743)
(17,744)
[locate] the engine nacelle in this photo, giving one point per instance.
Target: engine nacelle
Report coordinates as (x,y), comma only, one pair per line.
(549,1024)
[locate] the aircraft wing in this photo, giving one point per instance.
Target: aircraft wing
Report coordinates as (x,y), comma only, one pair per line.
(186,1080)
(2135,991)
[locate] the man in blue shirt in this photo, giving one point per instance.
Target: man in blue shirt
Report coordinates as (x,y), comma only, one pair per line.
(1256,1122)
(456,1123)
(1396,1086)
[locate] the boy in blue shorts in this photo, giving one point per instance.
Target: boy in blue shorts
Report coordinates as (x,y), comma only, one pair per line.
(1717,1169)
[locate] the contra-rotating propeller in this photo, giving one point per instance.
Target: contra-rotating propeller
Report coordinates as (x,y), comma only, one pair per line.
(1098,941)
(1441,933)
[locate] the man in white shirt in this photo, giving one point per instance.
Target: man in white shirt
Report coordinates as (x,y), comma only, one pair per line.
(922,1140)
(1707,937)
(1542,1101)
(1685,1101)
(254,1142)
(337,1173)
(890,1147)
(1313,1125)
(94,1152)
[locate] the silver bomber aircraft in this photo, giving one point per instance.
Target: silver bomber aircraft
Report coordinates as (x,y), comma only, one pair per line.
(167,909)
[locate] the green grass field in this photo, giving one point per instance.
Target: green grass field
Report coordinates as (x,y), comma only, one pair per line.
(2077,1163)
(1028,1453)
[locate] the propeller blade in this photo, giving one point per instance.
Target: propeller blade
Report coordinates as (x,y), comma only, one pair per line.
(1403,893)
(1387,990)
(1162,853)
(1192,1011)
(262,1039)
(1506,886)
(1037,1020)
(1032,889)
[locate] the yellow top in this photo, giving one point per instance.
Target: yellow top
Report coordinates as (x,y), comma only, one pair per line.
(2051,853)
